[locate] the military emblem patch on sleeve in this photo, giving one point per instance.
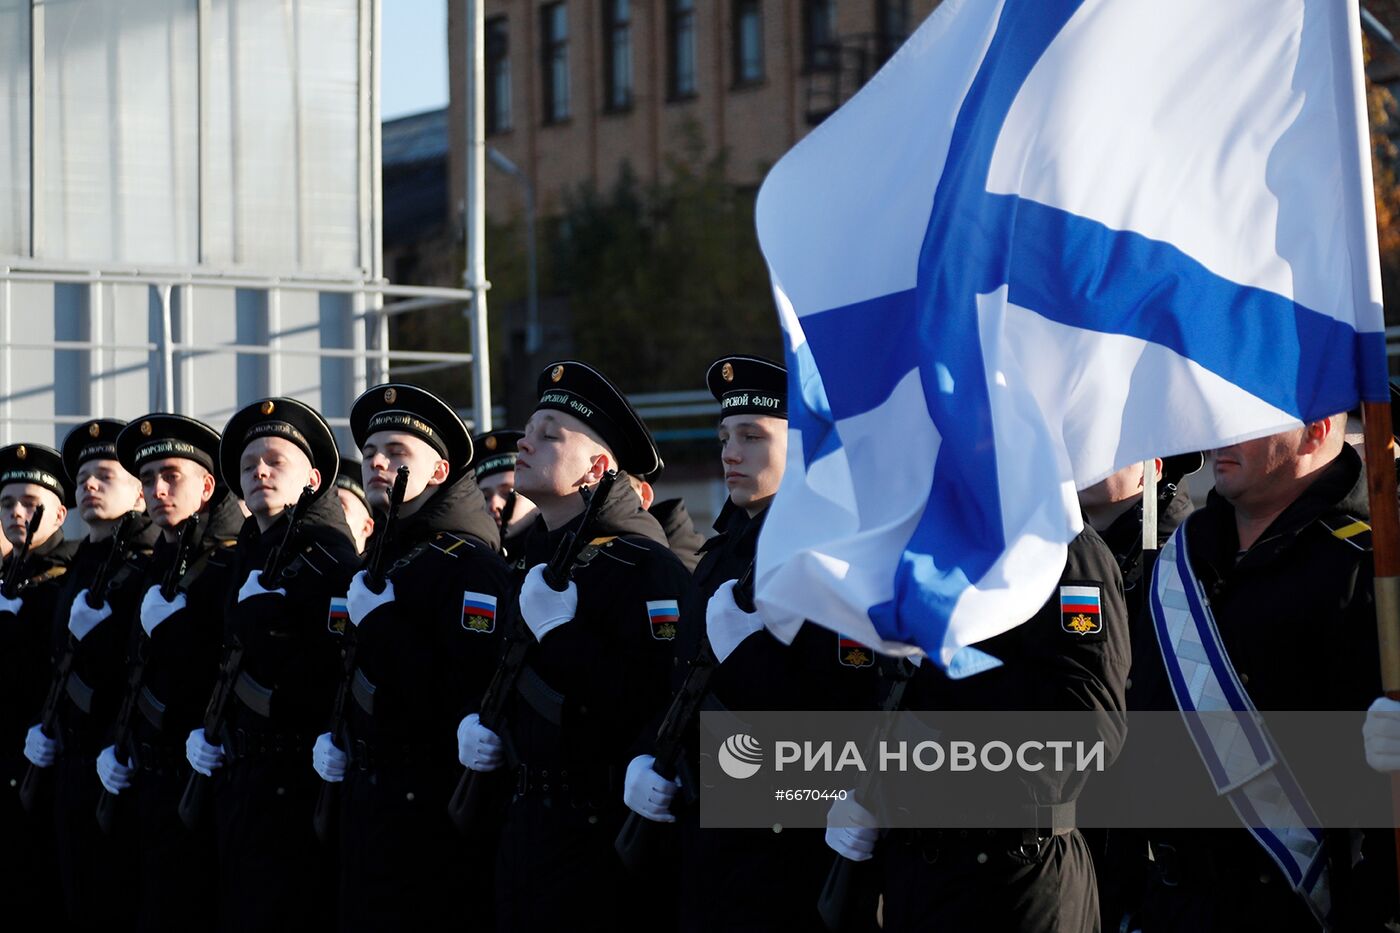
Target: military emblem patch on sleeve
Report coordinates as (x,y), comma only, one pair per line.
(852,653)
(339,616)
(479,612)
(664,614)
(1080,611)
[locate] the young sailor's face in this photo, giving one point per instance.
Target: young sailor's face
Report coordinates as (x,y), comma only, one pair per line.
(17,504)
(106,491)
(555,455)
(753,451)
(382,455)
(175,489)
(273,472)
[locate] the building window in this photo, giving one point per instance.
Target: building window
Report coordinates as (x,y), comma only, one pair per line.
(497,75)
(554,49)
(819,35)
(748,42)
(680,30)
(617,54)
(891,27)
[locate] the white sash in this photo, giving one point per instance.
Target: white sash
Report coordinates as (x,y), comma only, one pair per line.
(1243,761)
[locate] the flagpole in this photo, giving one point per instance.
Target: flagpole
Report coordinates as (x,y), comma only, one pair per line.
(1149,510)
(1385,545)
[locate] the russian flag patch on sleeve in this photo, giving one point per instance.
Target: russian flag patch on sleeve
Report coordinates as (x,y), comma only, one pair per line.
(664,614)
(479,612)
(339,616)
(1079,610)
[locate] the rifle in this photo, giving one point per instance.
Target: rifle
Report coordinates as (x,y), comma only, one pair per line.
(322,820)
(848,898)
(638,842)
(470,797)
(192,804)
(136,672)
(10,585)
(507,513)
(48,716)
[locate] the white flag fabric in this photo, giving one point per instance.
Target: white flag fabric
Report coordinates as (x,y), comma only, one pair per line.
(1049,239)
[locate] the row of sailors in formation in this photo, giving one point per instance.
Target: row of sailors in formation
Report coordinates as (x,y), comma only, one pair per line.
(218,627)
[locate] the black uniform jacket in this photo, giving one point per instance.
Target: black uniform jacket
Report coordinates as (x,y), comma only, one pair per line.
(1049,664)
(1296,614)
(819,670)
(607,671)
(94,688)
(181,655)
(26,662)
(290,653)
(426,657)
(685,542)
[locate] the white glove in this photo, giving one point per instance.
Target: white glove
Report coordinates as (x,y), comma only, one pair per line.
(115,776)
(727,624)
(11,605)
(202,756)
(478,747)
(1382,735)
(253,587)
(82,618)
(647,793)
(328,760)
(850,829)
(543,608)
(362,600)
(39,748)
(155,610)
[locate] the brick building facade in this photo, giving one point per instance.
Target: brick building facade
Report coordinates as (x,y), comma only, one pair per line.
(577,88)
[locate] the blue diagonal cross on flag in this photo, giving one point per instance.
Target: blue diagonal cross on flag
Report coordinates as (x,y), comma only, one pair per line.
(1049,239)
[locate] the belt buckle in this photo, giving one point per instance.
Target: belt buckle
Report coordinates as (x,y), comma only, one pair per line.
(359,753)
(522,780)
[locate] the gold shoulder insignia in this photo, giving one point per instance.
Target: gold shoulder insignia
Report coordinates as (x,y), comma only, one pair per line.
(1352,530)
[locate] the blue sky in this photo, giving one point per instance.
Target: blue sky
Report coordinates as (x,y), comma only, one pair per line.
(413,73)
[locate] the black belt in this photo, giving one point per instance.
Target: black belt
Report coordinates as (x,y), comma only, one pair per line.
(373,756)
(1046,820)
(586,789)
(247,743)
(158,759)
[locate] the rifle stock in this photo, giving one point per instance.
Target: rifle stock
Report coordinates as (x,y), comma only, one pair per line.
(327,798)
(469,799)
(136,672)
(638,844)
(48,717)
(192,800)
(849,897)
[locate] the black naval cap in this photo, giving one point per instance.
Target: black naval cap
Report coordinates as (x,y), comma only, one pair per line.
(495,451)
(158,436)
(748,385)
(91,440)
(411,409)
(37,464)
(288,419)
(349,478)
(580,390)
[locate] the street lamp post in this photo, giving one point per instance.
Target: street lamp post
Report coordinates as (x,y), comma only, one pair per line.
(532,300)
